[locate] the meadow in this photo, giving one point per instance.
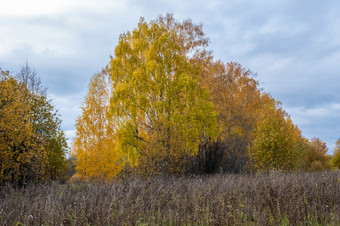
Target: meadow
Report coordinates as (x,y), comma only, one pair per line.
(249,199)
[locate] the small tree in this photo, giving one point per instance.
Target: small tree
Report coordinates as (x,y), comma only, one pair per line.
(277,142)
(50,138)
(97,156)
(315,156)
(336,155)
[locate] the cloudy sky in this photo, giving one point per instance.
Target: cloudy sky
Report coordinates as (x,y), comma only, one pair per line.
(293,46)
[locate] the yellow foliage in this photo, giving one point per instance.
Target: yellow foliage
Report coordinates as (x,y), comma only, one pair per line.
(95,148)
(16,133)
(173,108)
(277,142)
(336,155)
(157,96)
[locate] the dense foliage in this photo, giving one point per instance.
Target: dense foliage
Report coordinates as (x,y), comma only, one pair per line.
(95,145)
(166,107)
(32,144)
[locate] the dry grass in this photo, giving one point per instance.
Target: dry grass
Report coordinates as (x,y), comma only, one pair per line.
(271,199)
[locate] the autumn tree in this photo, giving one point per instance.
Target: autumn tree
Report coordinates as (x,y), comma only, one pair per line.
(239,102)
(277,143)
(94,147)
(16,132)
(51,145)
(33,145)
(235,94)
(160,107)
(315,156)
(336,155)
(50,139)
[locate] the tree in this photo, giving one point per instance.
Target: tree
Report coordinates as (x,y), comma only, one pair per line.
(239,103)
(16,132)
(157,97)
(315,156)
(277,142)
(50,139)
(336,155)
(94,147)
(33,145)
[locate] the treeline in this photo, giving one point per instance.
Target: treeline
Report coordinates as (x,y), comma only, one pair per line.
(164,106)
(32,144)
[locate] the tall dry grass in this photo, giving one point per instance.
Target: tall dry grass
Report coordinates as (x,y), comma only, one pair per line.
(267,199)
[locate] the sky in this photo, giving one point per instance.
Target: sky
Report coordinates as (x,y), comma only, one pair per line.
(292,46)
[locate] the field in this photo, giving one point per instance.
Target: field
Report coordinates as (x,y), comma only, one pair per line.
(262,199)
